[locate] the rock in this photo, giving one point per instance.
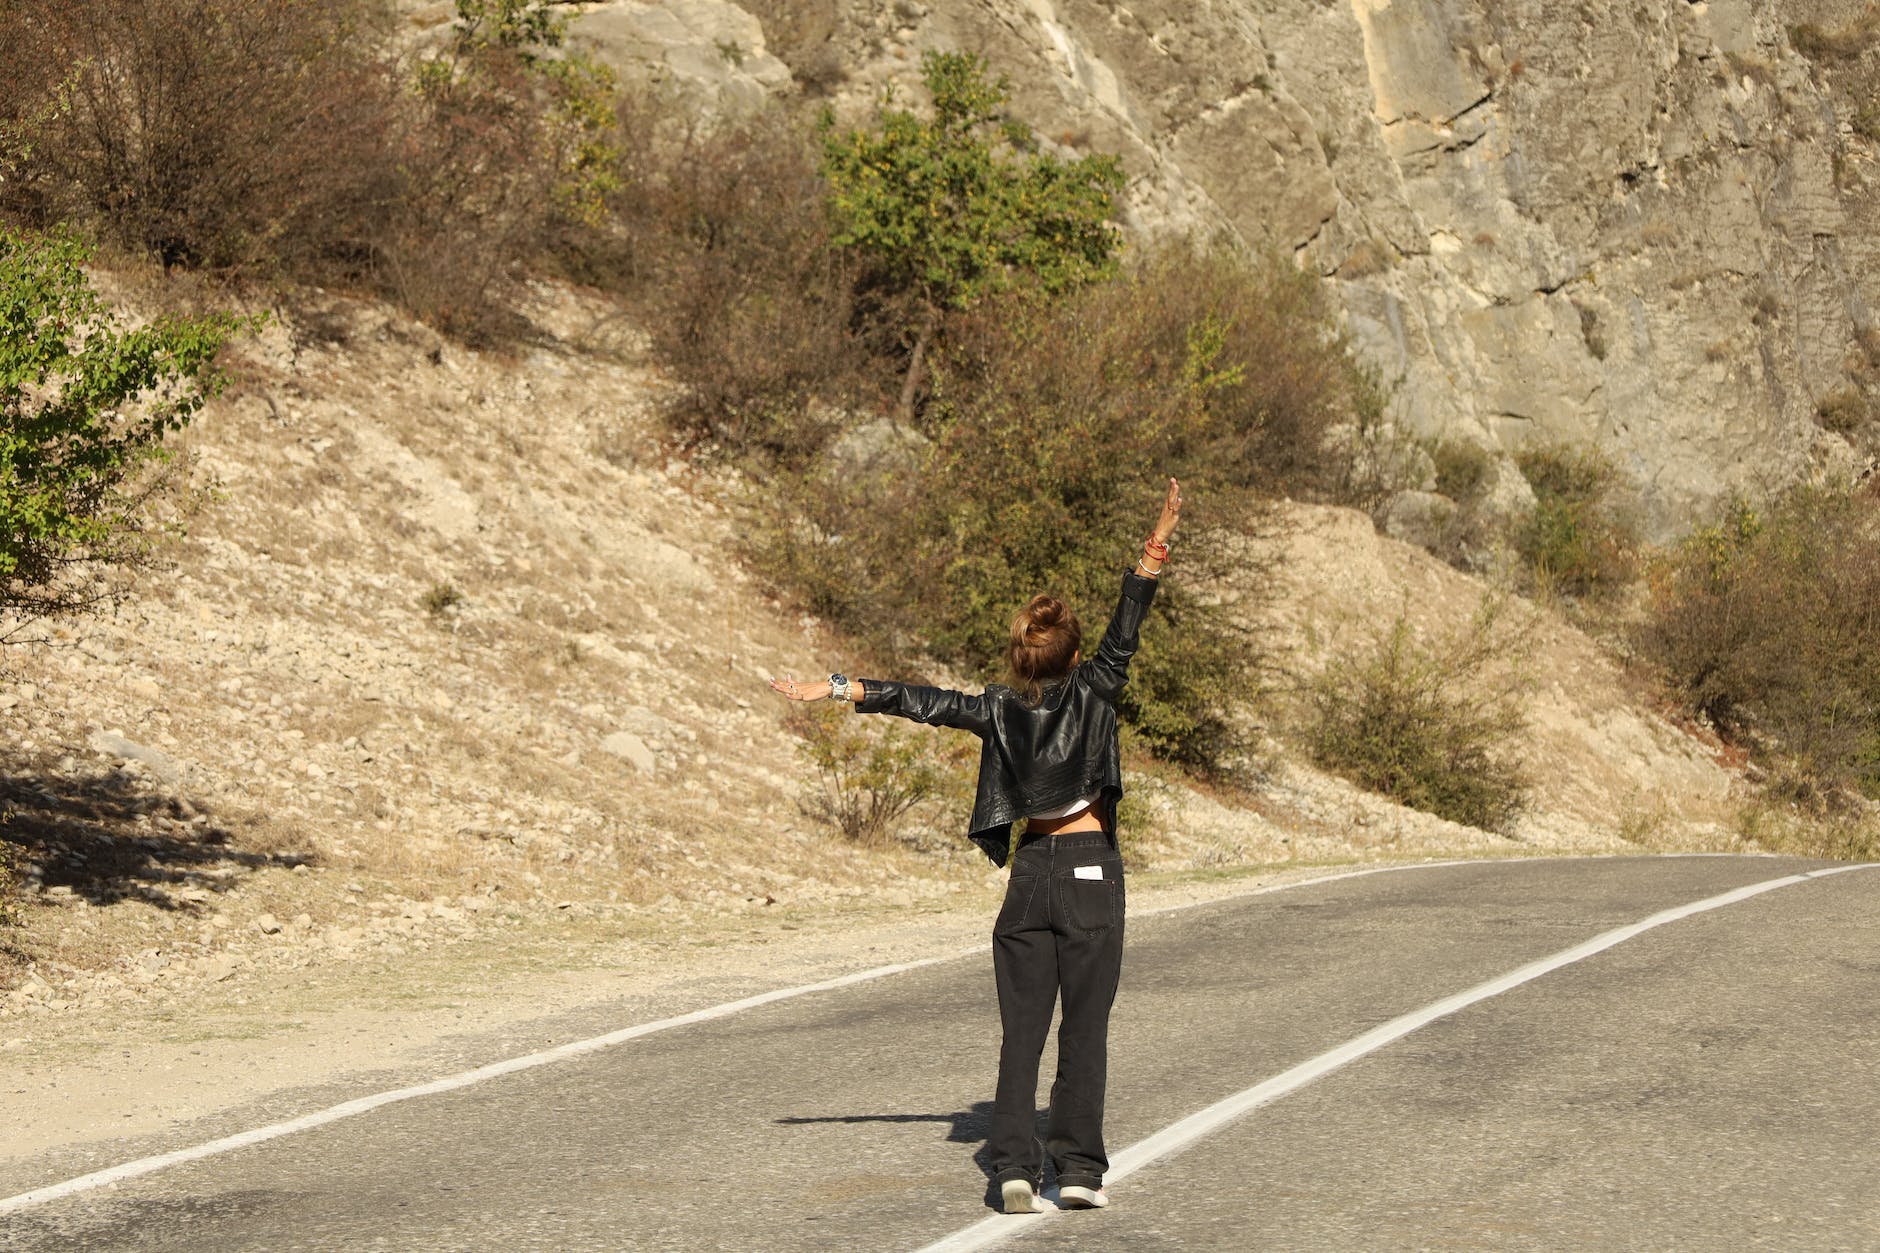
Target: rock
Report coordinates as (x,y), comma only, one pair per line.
(1504,494)
(881,445)
(631,748)
(219,967)
(114,744)
(712,50)
(1420,518)
(267,924)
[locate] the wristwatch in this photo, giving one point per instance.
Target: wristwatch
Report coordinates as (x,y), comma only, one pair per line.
(839,687)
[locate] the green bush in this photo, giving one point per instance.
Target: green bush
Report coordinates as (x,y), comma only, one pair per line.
(946,209)
(1580,540)
(872,774)
(1767,624)
(85,404)
(1431,726)
(9,875)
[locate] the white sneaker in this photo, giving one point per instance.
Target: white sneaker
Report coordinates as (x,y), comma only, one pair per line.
(1019,1198)
(1076,1197)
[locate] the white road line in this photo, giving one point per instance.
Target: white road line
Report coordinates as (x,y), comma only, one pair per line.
(1178,1136)
(364,1104)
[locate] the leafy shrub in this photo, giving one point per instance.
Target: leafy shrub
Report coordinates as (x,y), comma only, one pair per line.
(9,875)
(84,407)
(946,209)
(224,134)
(1767,624)
(872,774)
(1580,540)
(1431,726)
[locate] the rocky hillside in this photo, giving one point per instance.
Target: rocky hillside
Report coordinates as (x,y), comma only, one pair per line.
(1650,226)
(451,647)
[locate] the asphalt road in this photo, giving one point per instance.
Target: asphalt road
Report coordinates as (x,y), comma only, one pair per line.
(1708,1084)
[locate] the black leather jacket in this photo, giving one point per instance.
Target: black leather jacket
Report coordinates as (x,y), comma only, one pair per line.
(1037,757)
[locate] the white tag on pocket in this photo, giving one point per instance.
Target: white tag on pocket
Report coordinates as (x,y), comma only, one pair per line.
(1088,872)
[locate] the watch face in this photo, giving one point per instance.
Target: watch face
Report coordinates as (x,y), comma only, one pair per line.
(838,679)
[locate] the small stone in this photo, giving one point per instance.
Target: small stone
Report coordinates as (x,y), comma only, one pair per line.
(267,924)
(114,744)
(631,748)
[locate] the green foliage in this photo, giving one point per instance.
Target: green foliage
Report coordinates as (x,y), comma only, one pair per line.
(1767,624)
(1430,725)
(872,774)
(576,93)
(947,209)
(85,404)
(961,203)
(524,26)
(1579,542)
(9,875)
(440,598)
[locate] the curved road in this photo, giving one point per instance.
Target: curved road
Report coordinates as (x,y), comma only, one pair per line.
(1707,1083)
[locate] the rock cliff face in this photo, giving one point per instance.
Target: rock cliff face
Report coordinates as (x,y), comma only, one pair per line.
(1649,225)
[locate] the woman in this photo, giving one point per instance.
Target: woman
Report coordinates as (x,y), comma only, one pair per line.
(1049,757)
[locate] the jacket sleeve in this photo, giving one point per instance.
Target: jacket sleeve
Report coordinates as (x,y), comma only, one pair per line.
(1108,671)
(936,706)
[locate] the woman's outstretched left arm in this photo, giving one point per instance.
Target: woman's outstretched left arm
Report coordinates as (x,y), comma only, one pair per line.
(816,689)
(936,706)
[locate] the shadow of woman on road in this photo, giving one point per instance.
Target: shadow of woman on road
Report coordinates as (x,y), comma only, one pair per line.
(968,1126)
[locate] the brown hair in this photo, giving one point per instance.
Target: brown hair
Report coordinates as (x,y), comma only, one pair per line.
(1045,639)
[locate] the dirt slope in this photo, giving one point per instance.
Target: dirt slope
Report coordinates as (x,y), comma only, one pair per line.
(454,648)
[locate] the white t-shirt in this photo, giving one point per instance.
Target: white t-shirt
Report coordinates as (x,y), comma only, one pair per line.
(1075,807)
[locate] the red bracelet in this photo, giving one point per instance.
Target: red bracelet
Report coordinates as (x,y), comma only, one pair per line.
(1154,549)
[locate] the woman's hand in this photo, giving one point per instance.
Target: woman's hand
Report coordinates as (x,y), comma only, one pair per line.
(1171,514)
(790,689)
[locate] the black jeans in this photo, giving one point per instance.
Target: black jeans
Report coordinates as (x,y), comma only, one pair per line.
(1058,933)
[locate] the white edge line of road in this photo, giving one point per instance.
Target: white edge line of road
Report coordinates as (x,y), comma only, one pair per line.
(1177,1136)
(319,1118)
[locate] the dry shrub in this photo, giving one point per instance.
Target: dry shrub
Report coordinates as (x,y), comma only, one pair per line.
(1844,410)
(750,306)
(1432,726)
(1845,43)
(1768,625)
(233,135)
(1779,825)
(476,201)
